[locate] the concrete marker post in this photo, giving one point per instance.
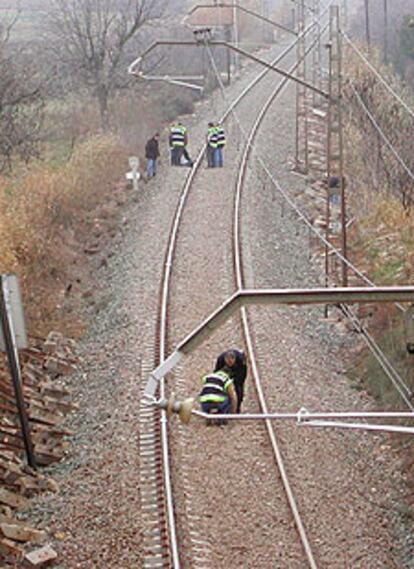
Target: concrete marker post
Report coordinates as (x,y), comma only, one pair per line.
(134,165)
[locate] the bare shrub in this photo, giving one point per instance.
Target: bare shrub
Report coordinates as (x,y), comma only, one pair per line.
(91,39)
(378,169)
(21,105)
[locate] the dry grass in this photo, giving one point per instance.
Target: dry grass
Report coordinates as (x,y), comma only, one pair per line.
(380,194)
(381,201)
(45,218)
(383,241)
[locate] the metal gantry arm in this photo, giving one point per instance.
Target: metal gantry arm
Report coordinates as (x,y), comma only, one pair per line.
(238,8)
(247,297)
(184,81)
(133,69)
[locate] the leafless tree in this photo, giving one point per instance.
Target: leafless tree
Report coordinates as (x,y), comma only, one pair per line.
(21,104)
(92,40)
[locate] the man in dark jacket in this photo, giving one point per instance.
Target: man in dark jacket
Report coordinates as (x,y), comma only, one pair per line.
(235,362)
(152,152)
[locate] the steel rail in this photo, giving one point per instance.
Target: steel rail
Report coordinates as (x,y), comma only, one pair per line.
(239,278)
(163,310)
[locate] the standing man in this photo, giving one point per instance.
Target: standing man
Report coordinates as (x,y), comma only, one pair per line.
(152,152)
(235,362)
(177,142)
(211,144)
(221,142)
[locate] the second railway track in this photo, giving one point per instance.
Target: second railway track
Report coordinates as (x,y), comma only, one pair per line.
(229,509)
(157,538)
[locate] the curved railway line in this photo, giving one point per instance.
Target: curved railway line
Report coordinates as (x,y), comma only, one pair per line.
(161,547)
(174,534)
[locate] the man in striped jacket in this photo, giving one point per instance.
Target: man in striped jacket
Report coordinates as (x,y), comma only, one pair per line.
(177,142)
(220,144)
(218,394)
(211,144)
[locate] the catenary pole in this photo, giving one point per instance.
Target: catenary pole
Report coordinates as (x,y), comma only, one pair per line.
(367,31)
(386,31)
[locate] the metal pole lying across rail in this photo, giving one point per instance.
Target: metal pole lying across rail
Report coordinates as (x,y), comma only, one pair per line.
(308,419)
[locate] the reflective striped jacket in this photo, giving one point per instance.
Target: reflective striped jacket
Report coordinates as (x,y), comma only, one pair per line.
(212,137)
(221,136)
(177,135)
(215,387)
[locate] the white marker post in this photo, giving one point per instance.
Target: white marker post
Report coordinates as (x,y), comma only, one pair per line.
(134,174)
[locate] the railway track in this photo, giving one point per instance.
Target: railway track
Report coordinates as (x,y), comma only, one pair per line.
(160,535)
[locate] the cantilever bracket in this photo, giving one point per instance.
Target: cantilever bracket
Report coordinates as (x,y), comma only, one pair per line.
(273,296)
(234,7)
(134,68)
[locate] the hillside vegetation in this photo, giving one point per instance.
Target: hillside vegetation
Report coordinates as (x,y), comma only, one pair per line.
(60,200)
(381,203)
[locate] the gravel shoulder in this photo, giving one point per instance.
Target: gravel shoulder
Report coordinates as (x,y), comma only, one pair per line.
(96,517)
(349,484)
(95,520)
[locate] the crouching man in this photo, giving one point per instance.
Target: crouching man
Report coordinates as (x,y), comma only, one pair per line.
(218,394)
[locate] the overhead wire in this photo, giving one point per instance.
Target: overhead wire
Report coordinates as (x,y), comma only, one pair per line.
(384,362)
(381,133)
(378,74)
(390,371)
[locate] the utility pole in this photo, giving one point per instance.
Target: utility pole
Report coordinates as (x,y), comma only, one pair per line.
(386,31)
(301,150)
(227,33)
(7,327)
(236,32)
(344,14)
(335,158)
(316,52)
(367,32)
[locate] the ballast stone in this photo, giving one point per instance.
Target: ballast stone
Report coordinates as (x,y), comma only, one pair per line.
(40,557)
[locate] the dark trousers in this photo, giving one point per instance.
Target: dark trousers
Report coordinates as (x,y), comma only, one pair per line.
(176,152)
(239,387)
(210,156)
(186,155)
(218,157)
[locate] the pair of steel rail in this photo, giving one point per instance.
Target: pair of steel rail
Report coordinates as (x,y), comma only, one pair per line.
(165,550)
(160,537)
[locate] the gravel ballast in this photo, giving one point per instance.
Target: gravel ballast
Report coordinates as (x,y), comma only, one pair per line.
(228,494)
